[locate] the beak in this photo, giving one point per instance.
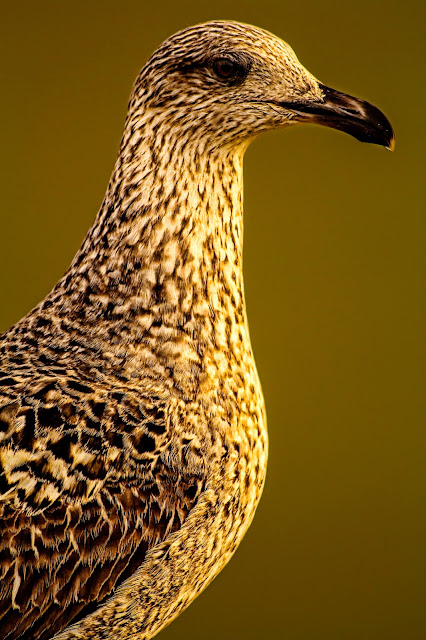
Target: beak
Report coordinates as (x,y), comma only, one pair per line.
(340,111)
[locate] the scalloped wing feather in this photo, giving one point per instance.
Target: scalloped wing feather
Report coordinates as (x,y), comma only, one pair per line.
(87,486)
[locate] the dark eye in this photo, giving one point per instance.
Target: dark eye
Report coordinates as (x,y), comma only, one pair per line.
(227,69)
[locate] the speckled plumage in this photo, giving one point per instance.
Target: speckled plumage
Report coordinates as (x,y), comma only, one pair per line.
(133,434)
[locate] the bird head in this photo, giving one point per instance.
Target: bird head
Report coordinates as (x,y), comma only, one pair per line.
(225,82)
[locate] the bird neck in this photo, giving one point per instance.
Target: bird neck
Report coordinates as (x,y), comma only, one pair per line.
(161,268)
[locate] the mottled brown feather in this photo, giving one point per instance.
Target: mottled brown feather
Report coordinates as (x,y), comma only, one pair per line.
(95,492)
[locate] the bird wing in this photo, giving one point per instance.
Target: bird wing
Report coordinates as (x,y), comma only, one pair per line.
(91,479)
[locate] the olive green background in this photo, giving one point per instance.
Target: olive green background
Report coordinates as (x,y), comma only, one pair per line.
(333,270)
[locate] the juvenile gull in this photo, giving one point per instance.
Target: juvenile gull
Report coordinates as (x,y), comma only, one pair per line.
(132,423)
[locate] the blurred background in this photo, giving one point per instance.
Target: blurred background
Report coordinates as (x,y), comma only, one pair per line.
(333,269)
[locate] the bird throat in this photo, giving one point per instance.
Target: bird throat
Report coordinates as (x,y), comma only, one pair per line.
(158,280)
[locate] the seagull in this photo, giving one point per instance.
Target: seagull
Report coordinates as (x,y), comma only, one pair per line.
(133,441)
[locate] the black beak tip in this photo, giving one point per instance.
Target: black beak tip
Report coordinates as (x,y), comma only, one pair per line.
(374,128)
(373,136)
(358,118)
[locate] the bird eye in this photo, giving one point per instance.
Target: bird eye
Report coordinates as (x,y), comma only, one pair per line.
(227,69)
